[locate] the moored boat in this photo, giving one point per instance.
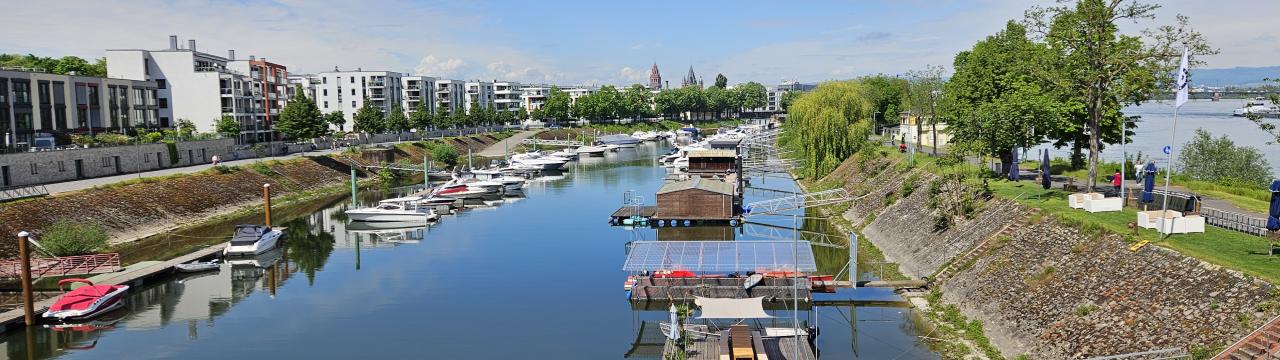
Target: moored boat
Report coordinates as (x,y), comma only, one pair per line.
(252,240)
(86,301)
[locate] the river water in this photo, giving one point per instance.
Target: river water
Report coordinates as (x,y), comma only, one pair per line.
(1156,129)
(537,277)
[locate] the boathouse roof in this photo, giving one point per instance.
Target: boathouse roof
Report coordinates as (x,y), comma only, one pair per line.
(713,153)
(720,256)
(716,186)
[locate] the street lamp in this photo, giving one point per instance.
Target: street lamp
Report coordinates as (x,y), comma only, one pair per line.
(933,119)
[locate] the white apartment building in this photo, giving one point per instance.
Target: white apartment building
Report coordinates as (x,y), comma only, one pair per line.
(418,90)
(449,96)
(307,82)
(201,87)
(532,97)
(346,91)
(40,109)
(577,92)
(479,93)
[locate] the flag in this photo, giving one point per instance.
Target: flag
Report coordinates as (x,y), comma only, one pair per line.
(1183,75)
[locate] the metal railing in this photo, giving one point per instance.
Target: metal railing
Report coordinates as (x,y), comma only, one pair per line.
(1235,221)
(22,192)
(63,265)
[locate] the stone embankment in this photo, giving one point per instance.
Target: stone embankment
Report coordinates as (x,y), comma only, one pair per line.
(1042,286)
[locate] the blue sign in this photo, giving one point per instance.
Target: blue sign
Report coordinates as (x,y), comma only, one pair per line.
(1168,149)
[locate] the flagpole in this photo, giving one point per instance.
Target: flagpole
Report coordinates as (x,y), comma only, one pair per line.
(1179,99)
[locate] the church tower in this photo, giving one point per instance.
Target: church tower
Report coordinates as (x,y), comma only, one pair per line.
(655,79)
(691,79)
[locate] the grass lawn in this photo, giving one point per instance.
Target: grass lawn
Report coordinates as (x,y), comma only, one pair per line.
(1231,249)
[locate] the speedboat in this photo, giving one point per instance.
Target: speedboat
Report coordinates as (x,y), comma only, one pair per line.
(566,154)
(198,266)
(396,209)
(591,150)
(252,240)
(433,201)
(86,301)
(539,160)
(1258,107)
(510,183)
(619,140)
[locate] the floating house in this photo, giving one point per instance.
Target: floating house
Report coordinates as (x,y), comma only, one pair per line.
(697,199)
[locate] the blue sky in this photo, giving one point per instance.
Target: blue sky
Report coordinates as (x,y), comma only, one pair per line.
(580,42)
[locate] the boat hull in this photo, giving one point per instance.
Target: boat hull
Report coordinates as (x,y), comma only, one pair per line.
(106,303)
(268,242)
(385,217)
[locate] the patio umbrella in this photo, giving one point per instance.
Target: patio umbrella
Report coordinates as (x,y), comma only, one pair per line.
(1148,183)
(1273,218)
(1044,168)
(674,334)
(1013,167)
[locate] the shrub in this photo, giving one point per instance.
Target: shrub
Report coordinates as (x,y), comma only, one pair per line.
(262,168)
(909,184)
(112,139)
(444,154)
(1222,162)
(70,238)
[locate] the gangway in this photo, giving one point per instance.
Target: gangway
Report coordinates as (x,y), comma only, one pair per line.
(775,232)
(786,203)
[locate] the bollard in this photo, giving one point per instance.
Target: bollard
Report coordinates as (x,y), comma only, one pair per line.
(28,315)
(266,200)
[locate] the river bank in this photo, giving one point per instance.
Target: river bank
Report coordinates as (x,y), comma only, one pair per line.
(1038,284)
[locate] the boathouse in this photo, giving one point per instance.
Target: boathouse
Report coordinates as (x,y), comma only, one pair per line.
(696,199)
(718,162)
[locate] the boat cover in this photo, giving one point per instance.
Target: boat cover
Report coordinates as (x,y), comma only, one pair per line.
(81,297)
(722,308)
(248,234)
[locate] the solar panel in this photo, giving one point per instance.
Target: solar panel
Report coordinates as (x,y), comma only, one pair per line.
(720,256)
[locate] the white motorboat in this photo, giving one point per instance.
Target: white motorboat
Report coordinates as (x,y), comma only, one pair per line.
(1258,107)
(398,209)
(434,201)
(591,150)
(566,154)
(252,240)
(610,147)
(542,162)
(511,183)
(457,190)
(198,266)
(619,140)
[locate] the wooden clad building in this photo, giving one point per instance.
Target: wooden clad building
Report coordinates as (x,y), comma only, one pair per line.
(696,199)
(713,161)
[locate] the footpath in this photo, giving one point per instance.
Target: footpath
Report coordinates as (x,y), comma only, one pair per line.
(500,148)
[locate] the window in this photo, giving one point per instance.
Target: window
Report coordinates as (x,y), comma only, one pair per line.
(62,166)
(106,161)
(326,92)
(324,80)
(353,80)
(164,103)
(146,66)
(326,104)
(160,84)
(353,92)
(353,104)
(34,169)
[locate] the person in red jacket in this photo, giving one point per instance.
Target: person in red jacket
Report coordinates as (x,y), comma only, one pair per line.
(1117,181)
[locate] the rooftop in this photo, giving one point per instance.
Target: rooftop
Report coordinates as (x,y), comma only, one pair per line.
(716,186)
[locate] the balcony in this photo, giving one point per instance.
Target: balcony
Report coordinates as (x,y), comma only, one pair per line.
(377,83)
(413,87)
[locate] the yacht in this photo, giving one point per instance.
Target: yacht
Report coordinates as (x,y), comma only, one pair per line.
(1258,106)
(404,209)
(252,240)
(618,140)
(567,154)
(591,150)
(541,161)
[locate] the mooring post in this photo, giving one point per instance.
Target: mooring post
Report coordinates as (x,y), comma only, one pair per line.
(425,171)
(266,202)
(353,187)
(853,260)
(28,315)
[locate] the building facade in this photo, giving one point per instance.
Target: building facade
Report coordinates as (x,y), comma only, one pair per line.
(478,94)
(418,90)
(449,96)
(39,109)
(269,86)
(534,96)
(347,91)
(507,96)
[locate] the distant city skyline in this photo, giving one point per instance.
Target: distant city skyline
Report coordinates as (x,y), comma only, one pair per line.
(587,42)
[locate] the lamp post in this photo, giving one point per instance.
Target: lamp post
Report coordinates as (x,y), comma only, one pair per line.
(933,119)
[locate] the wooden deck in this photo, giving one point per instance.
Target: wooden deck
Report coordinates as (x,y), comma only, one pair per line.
(772,289)
(710,347)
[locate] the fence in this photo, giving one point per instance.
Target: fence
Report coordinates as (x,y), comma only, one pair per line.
(63,266)
(1235,221)
(22,192)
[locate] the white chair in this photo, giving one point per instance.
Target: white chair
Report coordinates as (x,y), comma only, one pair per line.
(1151,219)
(1076,201)
(1101,204)
(1188,224)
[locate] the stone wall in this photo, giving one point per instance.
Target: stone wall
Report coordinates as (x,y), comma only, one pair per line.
(42,167)
(1053,292)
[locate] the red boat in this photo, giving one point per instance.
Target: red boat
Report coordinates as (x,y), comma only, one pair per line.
(86,301)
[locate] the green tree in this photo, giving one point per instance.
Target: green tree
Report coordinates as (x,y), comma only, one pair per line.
(186,129)
(368,119)
(228,127)
(719,99)
(537,115)
(828,124)
(1222,162)
(522,114)
(557,105)
(721,81)
(790,97)
(396,121)
(923,89)
(301,119)
(666,102)
(421,118)
(752,95)
(1104,69)
(995,102)
(336,119)
(1265,125)
(636,99)
(887,93)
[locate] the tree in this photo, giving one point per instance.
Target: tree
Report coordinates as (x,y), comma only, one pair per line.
(557,105)
(1222,162)
(636,99)
(752,95)
(828,125)
(719,99)
(1268,127)
(994,102)
(537,115)
(721,81)
(301,119)
(368,119)
(788,98)
(522,114)
(336,118)
(227,126)
(887,93)
(62,66)
(421,118)
(923,88)
(1105,70)
(186,128)
(396,121)
(666,103)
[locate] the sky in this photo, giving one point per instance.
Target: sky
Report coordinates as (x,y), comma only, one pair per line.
(589,42)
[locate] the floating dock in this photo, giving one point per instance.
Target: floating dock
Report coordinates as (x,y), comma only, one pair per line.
(706,345)
(685,289)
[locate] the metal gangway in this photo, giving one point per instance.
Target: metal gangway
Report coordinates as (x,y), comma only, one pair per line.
(569,143)
(801,201)
(772,165)
(767,231)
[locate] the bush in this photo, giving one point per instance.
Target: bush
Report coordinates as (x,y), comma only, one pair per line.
(444,154)
(909,184)
(112,139)
(69,238)
(1221,161)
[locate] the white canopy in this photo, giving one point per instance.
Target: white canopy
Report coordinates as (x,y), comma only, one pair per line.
(719,308)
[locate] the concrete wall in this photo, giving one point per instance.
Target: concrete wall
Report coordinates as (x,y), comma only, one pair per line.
(57,166)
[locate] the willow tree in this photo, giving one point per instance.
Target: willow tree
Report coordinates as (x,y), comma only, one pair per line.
(829,124)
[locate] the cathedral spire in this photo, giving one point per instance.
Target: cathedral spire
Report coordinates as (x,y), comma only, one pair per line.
(655,79)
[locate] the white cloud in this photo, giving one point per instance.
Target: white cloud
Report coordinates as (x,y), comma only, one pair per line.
(440,68)
(630,74)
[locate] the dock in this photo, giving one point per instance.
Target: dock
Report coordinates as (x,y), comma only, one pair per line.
(628,212)
(706,345)
(685,289)
(133,275)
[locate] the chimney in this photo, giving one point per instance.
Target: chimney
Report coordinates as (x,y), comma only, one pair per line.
(173,42)
(231,54)
(191,44)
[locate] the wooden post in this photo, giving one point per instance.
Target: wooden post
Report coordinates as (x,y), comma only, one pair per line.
(28,315)
(266,200)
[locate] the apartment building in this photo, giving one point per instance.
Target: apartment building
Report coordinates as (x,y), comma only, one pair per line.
(507,96)
(478,93)
(418,90)
(347,91)
(202,87)
(532,97)
(40,109)
(449,96)
(577,92)
(268,84)
(308,83)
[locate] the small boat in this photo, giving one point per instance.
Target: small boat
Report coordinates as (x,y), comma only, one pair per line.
(252,240)
(619,140)
(591,150)
(86,301)
(1258,107)
(396,209)
(198,266)
(752,281)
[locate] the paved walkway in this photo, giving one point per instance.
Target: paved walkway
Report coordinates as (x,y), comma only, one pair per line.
(500,148)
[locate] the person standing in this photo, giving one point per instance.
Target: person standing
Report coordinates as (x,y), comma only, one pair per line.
(1117,181)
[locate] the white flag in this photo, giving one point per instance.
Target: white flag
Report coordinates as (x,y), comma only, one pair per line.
(1183,75)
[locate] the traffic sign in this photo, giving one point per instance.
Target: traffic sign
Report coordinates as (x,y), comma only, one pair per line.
(1168,150)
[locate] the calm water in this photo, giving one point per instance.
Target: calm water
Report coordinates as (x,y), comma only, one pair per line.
(537,277)
(1156,128)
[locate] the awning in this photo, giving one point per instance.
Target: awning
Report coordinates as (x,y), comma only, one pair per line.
(718,308)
